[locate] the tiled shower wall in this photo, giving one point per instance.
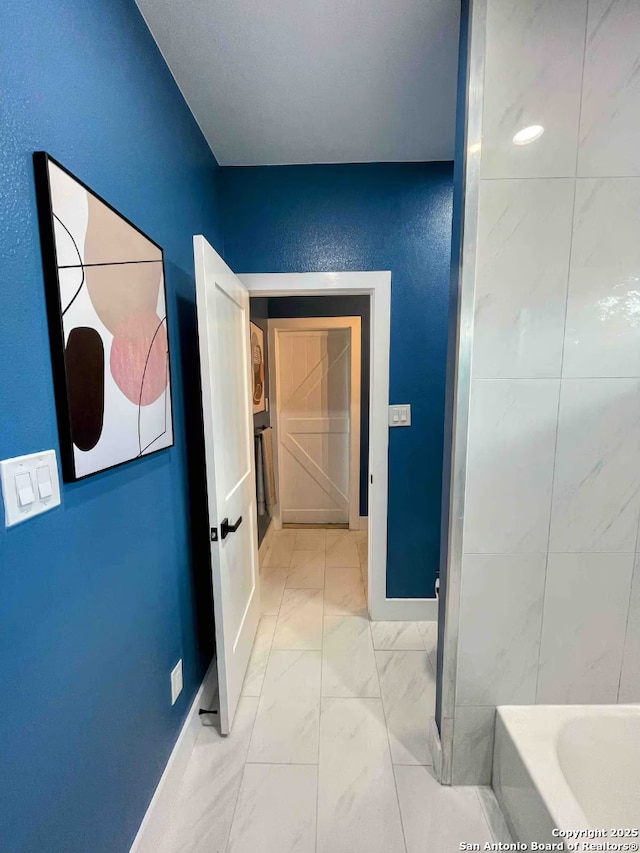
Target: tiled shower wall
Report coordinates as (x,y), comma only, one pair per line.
(550,591)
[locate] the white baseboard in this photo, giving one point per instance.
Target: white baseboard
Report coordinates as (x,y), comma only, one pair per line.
(153,828)
(262,550)
(406,610)
(364,522)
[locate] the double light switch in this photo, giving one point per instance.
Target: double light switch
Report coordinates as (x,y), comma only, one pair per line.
(30,485)
(400,416)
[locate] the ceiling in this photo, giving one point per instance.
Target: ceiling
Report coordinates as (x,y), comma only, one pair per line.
(314,81)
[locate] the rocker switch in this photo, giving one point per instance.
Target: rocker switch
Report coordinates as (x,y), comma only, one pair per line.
(24,489)
(45,489)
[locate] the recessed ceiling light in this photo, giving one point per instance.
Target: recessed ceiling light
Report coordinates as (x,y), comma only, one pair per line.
(528,134)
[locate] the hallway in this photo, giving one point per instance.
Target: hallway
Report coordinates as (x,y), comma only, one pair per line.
(329,748)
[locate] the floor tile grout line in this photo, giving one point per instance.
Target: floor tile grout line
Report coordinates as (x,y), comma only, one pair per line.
(320,712)
(282,763)
(255,718)
(386,726)
(266,667)
(322,652)
(322,659)
(235,805)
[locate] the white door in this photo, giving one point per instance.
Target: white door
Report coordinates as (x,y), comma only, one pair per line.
(318,405)
(223,329)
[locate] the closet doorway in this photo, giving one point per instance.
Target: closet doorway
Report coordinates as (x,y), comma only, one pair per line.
(315,377)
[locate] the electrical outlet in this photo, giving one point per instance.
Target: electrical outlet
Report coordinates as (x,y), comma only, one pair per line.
(176,681)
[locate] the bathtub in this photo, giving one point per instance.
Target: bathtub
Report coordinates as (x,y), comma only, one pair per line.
(559,770)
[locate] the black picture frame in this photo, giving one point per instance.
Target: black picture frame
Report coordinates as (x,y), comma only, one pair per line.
(52,286)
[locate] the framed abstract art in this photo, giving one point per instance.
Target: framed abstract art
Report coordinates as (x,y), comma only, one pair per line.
(257,369)
(107,310)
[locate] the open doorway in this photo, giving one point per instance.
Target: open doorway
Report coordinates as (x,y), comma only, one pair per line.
(317,333)
(315,374)
(318,434)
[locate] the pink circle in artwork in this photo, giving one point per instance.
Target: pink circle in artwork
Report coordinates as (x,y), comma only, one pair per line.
(139,357)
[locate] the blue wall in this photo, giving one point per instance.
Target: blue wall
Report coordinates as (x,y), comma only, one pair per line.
(370,217)
(97,598)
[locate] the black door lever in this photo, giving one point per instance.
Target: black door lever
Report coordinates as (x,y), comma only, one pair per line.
(226,528)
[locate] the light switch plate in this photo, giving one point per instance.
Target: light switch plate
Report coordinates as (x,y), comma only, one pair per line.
(42,470)
(400,416)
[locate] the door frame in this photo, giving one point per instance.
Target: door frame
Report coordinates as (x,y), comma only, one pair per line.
(314,324)
(377,286)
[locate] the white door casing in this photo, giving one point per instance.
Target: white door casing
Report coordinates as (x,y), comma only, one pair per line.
(317,417)
(222,303)
(377,286)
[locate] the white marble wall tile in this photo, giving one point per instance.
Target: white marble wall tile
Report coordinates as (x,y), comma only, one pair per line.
(286,727)
(408,693)
(259,656)
(348,663)
(357,803)
(610,119)
(276,810)
(500,623)
(438,817)
(473,745)
(630,681)
(533,75)
(398,636)
(203,811)
(299,624)
(521,278)
(596,493)
(585,615)
(603,311)
(510,465)
(306,570)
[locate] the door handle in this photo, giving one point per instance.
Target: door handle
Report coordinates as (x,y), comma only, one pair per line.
(226,528)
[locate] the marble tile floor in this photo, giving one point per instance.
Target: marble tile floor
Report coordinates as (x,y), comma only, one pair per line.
(328,753)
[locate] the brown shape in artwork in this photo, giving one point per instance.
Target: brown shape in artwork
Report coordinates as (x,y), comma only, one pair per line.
(110,239)
(123,290)
(84,361)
